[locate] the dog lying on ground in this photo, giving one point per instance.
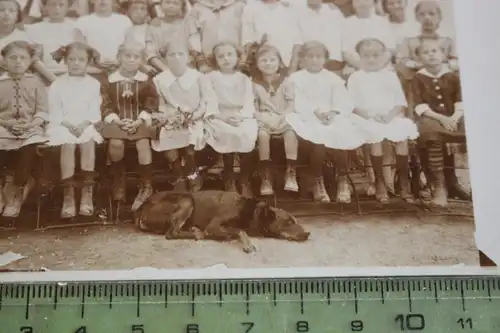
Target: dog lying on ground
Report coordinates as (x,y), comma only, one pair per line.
(216,215)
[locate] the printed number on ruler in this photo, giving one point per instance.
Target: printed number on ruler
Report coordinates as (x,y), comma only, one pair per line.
(236,306)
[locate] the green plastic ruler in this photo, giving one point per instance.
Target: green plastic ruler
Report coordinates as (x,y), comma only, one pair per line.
(296,305)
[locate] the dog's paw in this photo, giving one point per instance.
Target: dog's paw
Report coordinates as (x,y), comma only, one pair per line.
(249,248)
(198,234)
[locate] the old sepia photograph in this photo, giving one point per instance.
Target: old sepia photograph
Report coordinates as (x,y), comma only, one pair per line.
(244,133)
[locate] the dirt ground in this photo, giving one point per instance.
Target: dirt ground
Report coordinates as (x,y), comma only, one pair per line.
(383,240)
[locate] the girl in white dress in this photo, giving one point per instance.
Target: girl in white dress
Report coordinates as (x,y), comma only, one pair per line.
(276,19)
(185,100)
(234,129)
(364,24)
(10,32)
(380,101)
(74,111)
(322,114)
(137,11)
(55,31)
(104,30)
(211,22)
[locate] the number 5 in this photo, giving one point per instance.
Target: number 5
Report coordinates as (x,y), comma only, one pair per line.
(138,329)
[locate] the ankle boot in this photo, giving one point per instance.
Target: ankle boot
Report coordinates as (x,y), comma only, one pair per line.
(68,209)
(402,165)
(178,183)
(440,195)
(246,188)
(87,200)
(455,190)
(145,189)
(381,191)
(291,179)
(320,194)
(119,186)
(229,183)
(266,187)
(14,201)
(343,190)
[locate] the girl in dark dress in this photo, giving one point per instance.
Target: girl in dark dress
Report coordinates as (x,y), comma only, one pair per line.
(129,97)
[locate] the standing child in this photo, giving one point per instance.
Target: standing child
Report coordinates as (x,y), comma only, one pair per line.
(185,100)
(270,100)
(379,99)
(138,12)
(402,21)
(364,24)
(438,105)
(322,115)
(74,107)
(211,22)
(10,17)
(173,26)
(129,99)
(52,33)
(234,129)
(276,19)
(104,31)
(23,114)
(429,15)
(323,23)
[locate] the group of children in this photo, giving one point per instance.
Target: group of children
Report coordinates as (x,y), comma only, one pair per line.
(177,76)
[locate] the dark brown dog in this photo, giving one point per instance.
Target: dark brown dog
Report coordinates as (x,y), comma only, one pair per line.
(216,215)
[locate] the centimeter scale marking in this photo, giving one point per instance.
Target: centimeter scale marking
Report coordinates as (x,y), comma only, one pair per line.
(430,304)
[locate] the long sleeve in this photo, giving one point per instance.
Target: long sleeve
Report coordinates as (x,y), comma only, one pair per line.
(194,31)
(417,90)
(289,95)
(341,100)
(248,110)
(95,102)
(152,48)
(248,31)
(457,98)
(149,102)
(41,101)
(108,108)
(354,89)
(403,52)
(209,98)
(56,115)
(397,88)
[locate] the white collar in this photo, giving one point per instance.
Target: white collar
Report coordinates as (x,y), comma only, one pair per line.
(117,77)
(186,81)
(444,70)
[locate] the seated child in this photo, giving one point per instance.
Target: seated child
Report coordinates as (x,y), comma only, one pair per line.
(55,31)
(379,99)
(234,129)
(364,24)
(275,18)
(270,101)
(75,110)
(172,26)
(211,22)
(438,105)
(10,32)
(23,115)
(321,22)
(322,114)
(429,15)
(104,30)
(129,99)
(185,99)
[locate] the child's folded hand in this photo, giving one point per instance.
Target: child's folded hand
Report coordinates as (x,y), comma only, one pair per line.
(449,124)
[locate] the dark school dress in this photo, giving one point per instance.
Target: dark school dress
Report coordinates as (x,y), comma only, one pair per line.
(442,94)
(128,98)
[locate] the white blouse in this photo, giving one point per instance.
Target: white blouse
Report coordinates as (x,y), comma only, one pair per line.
(105,34)
(324,91)
(278,20)
(323,25)
(356,29)
(52,36)
(376,92)
(74,99)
